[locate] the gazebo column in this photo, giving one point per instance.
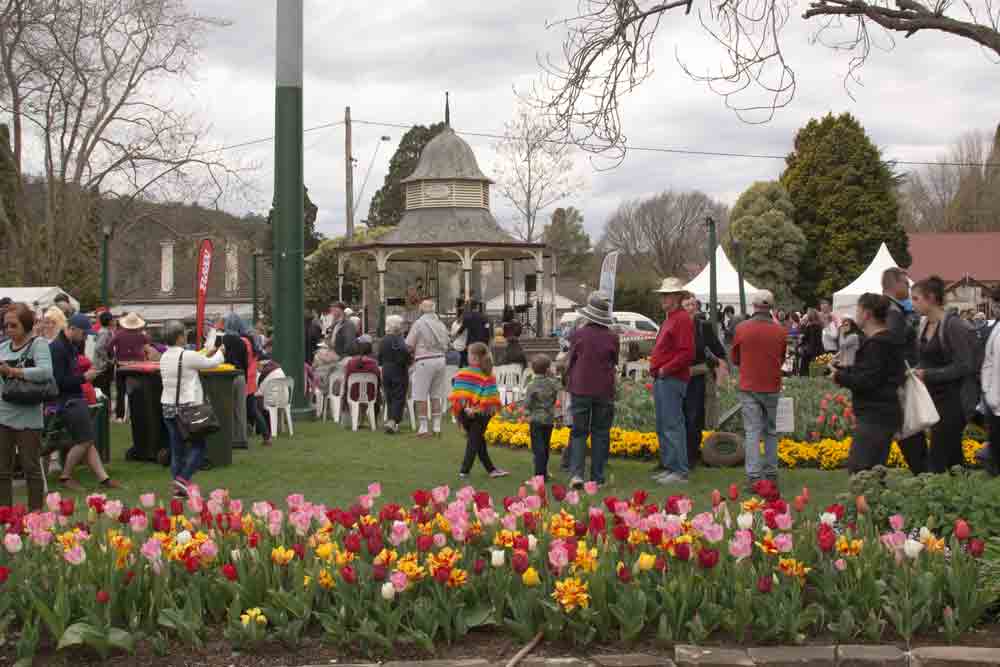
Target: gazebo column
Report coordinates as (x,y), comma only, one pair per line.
(432,280)
(555,295)
(539,294)
(507,279)
(467,272)
(381,264)
(364,296)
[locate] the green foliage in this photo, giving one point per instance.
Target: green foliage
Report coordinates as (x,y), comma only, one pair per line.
(567,238)
(845,204)
(320,276)
(311,211)
(932,500)
(388,203)
(762,220)
(634,293)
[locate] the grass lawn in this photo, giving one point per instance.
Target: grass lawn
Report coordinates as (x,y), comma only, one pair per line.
(332,465)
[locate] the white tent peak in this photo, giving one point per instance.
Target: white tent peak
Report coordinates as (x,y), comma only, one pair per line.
(727,282)
(870,280)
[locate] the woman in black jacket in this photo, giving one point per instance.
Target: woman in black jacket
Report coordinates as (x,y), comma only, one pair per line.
(810,341)
(874,381)
(394,358)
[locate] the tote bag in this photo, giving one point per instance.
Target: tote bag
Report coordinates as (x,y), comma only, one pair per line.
(919,413)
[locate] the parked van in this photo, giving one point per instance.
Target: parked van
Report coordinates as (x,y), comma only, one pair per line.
(636,321)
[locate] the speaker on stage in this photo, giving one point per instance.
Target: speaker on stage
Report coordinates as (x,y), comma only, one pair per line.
(530,282)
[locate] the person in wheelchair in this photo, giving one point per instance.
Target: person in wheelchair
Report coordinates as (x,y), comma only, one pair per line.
(71,409)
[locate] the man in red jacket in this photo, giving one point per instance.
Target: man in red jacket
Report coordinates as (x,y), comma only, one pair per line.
(670,367)
(759,351)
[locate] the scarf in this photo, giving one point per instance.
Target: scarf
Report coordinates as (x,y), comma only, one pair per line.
(472,388)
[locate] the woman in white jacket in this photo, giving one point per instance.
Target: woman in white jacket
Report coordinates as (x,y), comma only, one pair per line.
(991,396)
(184,463)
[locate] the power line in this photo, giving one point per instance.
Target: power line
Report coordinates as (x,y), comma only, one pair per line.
(644,149)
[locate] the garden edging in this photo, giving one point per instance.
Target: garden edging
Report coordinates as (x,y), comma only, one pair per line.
(685,655)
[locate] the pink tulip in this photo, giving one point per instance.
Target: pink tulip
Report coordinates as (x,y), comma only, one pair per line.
(783,542)
(840,564)
(487,516)
(12,543)
(537,483)
(236,506)
(740,548)
(52,501)
(399,581)
(147,500)
(294,500)
(896,522)
(399,534)
(684,505)
(196,503)
(440,540)
(374,489)
(75,556)
(558,556)
(509,522)
(138,523)
(366,501)
(261,509)
(533,503)
(466,494)
(440,494)
(590,488)
(113,509)
(41,538)
(713,533)
(208,550)
(572,498)
(151,549)
(784,521)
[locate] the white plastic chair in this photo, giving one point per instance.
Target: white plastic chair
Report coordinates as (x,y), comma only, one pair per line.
(277,399)
(636,370)
(364,382)
(336,401)
(508,382)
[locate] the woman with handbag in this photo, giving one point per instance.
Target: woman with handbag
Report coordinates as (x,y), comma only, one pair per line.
(23,360)
(186,415)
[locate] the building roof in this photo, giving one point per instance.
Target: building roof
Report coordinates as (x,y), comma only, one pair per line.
(447,156)
(952,255)
(447,225)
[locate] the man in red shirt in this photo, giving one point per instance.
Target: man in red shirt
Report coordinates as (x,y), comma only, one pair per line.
(759,351)
(670,367)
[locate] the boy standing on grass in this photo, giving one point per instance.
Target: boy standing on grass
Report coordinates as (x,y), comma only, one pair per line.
(540,405)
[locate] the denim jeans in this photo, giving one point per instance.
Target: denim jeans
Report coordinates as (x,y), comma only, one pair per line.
(541,436)
(760,414)
(671,431)
(184,463)
(592,416)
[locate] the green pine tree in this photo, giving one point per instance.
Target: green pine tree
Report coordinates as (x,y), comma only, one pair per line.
(567,238)
(845,204)
(388,204)
(762,220)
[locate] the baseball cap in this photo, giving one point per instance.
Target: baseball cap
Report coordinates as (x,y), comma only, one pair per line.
(763,299)
(81,322)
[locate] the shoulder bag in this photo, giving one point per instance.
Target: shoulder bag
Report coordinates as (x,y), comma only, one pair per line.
(193,421)
(20,391)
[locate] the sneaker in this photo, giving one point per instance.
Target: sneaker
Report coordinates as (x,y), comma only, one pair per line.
(71,484)
(576,483)
(109,483)
(424,435)
(658,470)
(671,478)
(181,485)
(463,475)
(497,472)
(390,427)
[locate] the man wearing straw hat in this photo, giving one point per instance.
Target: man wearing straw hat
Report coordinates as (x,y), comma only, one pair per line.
(670,367)
(591,383)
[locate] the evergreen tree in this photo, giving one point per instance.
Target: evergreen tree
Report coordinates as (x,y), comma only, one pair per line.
(388,203)
(773,245)
(845,204)
(310,212)
(566,237)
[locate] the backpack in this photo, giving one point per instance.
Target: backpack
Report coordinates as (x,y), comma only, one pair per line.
(971,384)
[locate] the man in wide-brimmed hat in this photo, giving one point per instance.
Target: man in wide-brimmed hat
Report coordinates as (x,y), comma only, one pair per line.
(670,367)
(593,357)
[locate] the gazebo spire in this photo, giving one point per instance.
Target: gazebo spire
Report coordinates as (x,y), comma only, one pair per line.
(447,111)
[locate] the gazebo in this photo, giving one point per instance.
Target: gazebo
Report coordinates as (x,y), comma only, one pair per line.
(447,219)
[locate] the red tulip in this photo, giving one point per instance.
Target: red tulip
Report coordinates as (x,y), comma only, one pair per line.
(770,519)
(191,564)
(4,574)
(621,532)
(836,509)
(442,574)
(682,551)
(374,544)
(610,502)
(558,492)
(716,498)
(799,504)
(352,542)
(424,542)
(348,574)
(708,558)
(530,521)
(580,529)
(129,576)
(826,538)
(176,507)
(229,572)
(661,564)
(765,583)
(482,500)
(655,536)
(805,493)
(300,551)
(624,574)
(66,507)
(379,573)
(521,543)
(962,530)
(598,524)
(519,561)
(639,497)
(421,498)
(254,540)
(479,566)
(976,549)
(734,492)
(103,597)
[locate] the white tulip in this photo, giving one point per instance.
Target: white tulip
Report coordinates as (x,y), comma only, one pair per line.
(745,521)
(925,533)
(183,537)
(829,518)
(497,557)
(388,591)
(912,548)
(532,542)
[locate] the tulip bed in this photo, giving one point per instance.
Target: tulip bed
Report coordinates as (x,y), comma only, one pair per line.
(372,577)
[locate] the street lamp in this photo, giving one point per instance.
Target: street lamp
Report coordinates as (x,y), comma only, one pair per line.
(105,277)
(738,249)
(713,285)
(256,307)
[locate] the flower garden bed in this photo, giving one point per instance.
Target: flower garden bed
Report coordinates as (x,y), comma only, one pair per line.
(379,578)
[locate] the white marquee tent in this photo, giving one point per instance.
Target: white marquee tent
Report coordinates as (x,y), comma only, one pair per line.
(37,297)
(727,282)
(870,280)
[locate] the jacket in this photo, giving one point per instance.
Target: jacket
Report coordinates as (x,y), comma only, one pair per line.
(191,392)
(990,374)
(875,378)
(65,369)
(759,351)
(959,342)
(705,342)
(592,361)
(22,417)
(674,352)
(903,326)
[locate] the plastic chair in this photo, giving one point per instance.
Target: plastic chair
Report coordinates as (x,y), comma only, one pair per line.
(509,382)
(277,398)
(336,401)
(364,382)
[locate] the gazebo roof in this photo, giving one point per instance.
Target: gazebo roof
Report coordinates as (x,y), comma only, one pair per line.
(447,157)
(447,225)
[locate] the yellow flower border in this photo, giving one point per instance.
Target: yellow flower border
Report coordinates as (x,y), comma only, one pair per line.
(827,454)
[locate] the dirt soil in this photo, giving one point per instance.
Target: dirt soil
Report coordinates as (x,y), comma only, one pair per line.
(494,646)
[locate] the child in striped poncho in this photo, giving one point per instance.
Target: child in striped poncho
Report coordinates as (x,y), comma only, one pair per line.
(474,399)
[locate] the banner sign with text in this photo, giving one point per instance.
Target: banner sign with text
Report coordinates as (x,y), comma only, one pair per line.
(201,285)
(608,270)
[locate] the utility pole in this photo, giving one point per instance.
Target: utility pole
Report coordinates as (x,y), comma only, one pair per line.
(713,285)
(349,172)
(738,247)
(289,225)
(253,285)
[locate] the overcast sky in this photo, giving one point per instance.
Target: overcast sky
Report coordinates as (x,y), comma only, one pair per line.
(392,61)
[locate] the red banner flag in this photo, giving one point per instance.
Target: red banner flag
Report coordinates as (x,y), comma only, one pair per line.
(201,285)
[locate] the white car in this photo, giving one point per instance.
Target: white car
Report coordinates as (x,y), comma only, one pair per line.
(636,321)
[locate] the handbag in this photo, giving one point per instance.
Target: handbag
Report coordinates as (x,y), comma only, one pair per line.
(919,412)
(193,421)
(20,391)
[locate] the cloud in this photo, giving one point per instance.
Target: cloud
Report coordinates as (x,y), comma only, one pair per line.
(392,62)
